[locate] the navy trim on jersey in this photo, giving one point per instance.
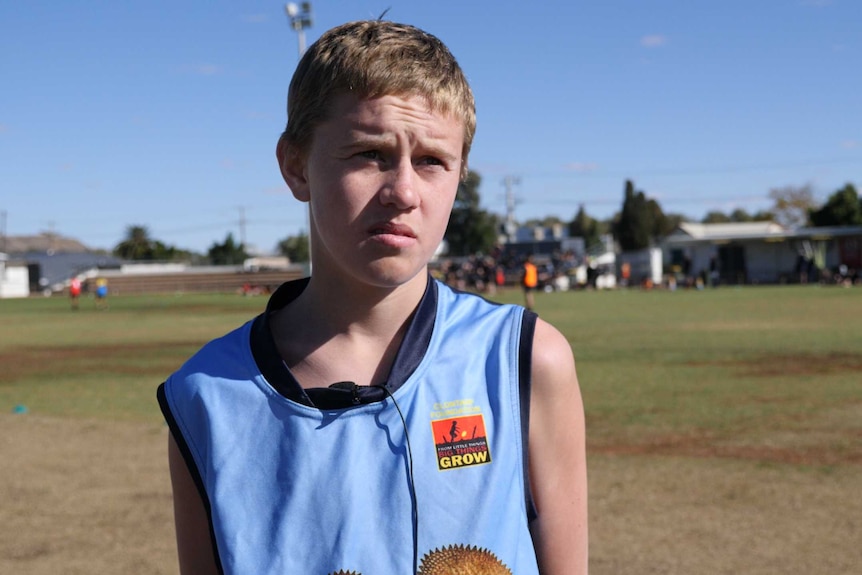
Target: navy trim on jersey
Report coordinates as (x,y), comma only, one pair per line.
(340,394)
(191,466)
(525,366)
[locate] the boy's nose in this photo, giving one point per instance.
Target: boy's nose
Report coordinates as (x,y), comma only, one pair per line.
(400,189)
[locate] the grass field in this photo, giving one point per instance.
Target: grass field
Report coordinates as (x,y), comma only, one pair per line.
(724,427)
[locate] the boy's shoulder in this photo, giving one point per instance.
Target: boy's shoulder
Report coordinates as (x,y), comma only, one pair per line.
(219,354)
(465,308)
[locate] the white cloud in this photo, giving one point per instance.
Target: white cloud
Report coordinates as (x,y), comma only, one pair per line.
(207,70)
(850,144)
(653,41)
(255,18)
(582,167)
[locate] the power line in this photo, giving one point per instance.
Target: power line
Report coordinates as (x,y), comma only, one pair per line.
(701,170)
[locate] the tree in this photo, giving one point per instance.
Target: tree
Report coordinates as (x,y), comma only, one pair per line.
(662,224)
(716,217)
(163,252)
(763,216)
(583,226)
(295,248)
(137,245)
(227,253)
(635,226)
(471,229)
(792,205)
(843,208)
(740,215)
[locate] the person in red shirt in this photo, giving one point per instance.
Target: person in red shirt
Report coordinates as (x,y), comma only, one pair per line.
(75,292)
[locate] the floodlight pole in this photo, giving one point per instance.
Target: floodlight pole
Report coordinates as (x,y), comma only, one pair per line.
(300,19)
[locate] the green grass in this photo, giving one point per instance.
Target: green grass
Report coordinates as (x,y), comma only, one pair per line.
(765,373)
(105,363)
(728,371)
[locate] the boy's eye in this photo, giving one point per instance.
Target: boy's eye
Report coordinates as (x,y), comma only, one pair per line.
(431,161)
(370,154)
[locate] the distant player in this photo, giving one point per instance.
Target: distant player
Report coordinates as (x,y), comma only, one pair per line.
(101,293)
(529,282)
(75,292)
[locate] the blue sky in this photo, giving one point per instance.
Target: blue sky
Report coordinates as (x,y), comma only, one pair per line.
(165,114)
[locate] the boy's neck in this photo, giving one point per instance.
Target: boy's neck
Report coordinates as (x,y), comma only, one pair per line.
(338,305)
(335,332)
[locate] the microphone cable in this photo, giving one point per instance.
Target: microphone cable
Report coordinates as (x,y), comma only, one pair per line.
(413,498)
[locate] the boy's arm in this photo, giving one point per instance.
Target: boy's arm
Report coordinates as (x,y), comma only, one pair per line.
(194,545)
(558,468)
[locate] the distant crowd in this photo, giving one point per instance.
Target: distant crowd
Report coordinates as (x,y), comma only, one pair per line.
(485,273)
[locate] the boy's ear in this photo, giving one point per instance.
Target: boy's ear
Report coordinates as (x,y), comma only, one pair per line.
(292,166)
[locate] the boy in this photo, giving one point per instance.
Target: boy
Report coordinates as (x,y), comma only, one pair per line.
(372,420)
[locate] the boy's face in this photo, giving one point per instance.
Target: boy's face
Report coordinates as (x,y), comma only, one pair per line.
(381,176)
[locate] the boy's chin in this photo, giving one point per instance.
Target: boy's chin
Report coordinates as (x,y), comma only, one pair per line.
(393,274)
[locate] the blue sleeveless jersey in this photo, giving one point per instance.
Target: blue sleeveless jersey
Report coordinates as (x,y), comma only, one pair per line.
(430,474)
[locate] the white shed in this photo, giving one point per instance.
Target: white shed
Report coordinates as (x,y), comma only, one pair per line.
(14,278)
(760,252)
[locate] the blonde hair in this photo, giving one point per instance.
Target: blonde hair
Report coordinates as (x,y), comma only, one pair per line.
(372,59)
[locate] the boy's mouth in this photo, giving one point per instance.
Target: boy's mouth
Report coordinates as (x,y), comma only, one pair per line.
(393,229)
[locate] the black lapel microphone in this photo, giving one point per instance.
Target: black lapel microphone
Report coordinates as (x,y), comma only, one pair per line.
(344,394)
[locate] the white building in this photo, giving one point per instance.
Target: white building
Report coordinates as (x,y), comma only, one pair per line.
(14,278)
(761,252)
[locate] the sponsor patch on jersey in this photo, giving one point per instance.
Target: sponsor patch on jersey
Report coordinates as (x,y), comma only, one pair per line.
(460,442)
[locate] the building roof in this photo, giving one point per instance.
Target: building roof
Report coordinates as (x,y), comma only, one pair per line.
(56,269)
(688,233)
(44,242)
(728,230)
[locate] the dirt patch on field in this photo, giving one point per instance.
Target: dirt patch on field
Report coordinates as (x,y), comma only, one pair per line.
(709,448)
(674,515)
(93,497)
(154,359)
(777,365)
(84,497)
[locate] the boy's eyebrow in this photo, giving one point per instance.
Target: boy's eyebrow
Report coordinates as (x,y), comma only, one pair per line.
(357,139)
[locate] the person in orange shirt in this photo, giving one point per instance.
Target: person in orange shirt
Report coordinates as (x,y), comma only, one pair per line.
(529,281)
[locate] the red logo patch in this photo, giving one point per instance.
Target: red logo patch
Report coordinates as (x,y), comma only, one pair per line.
(460,442)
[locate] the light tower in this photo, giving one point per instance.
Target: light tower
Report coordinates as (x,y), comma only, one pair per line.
(300,19)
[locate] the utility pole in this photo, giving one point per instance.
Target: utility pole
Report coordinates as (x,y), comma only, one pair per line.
(2,231)
(242,226)
(52,238)
(300,19)
(509,182)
